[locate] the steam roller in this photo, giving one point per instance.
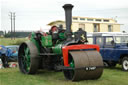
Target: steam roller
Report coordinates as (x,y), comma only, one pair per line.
(86,59)
(61,50)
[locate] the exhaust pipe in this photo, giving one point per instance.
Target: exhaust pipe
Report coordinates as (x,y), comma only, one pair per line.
(68,19)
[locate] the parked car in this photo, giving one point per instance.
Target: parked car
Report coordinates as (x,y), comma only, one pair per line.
(113,47)
(10,51)
(14,54)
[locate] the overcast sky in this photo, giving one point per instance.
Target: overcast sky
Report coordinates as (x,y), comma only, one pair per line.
(36,14)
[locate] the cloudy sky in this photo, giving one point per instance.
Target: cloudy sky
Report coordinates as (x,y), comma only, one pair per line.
(36,14)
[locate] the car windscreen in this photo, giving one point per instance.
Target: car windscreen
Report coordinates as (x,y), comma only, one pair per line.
(121,39)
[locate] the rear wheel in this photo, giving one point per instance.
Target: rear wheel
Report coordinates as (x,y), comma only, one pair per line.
(125,64)
(28,58)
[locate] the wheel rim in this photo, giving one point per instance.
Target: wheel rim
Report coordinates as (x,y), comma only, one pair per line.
(26,58)
(125,64)
(72,66)
(69,74)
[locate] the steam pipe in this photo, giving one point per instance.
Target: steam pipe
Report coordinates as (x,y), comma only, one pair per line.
(68,19)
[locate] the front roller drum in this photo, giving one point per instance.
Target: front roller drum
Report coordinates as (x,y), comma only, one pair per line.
(81,59)
(28,58)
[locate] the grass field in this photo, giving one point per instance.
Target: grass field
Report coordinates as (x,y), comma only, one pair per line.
(12,76)
(9,41)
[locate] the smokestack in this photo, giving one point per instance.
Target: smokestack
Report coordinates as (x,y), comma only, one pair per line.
(68,18)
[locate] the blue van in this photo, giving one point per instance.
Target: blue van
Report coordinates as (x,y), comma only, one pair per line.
(113,47)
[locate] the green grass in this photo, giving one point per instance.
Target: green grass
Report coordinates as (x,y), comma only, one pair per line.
(9,41)
(12,76)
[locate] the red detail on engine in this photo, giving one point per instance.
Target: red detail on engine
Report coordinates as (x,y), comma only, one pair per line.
(65,50)
(54,28)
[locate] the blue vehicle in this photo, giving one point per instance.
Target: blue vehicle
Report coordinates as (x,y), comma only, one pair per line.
(113,48)
(5,51)
(11,52)
(4,55)
(14,52)
(2,50)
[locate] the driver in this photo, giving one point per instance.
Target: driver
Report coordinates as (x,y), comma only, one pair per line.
(53,30)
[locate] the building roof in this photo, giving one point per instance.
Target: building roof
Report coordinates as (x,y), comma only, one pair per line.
(56,22)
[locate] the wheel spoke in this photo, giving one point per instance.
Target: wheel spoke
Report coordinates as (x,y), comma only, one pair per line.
(26,58)
(24,61)
(26,50)
(72,64)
